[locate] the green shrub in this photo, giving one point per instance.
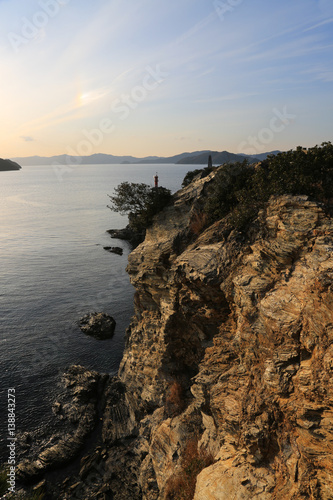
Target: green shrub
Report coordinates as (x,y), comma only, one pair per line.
(241,190)
(140,202)
(193,173)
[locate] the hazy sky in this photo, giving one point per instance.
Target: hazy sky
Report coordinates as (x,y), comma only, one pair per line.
(146,77)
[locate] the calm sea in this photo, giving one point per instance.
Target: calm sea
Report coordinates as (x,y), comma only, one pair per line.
(54,270)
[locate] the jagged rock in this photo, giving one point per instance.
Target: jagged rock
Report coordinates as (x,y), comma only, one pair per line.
(234,479)
(127,234)
(251,321)
(118,419)
(121,234)
(78,412)
(116,250)
(99,325)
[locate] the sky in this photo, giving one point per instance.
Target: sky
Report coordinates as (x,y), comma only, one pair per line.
(156,77)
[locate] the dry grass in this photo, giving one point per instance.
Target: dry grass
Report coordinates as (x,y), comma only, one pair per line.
(198,222)
(181,486)
(174,403)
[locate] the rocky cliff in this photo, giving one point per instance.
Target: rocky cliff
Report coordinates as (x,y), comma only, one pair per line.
(245,327)
(225,388)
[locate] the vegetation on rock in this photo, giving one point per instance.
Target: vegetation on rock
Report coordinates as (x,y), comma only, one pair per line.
(241,190)
(203,172)
(140,202)
(174,402)
(181,486)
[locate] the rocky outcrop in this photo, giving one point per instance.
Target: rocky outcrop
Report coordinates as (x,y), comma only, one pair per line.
(229,355)
(116,250)
(77,411)
(99,325)
(8,165)
(127,234)
(245,328)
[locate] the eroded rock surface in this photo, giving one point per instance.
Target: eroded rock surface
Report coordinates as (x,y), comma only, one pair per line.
(230,346)
(245,327)
(76,410)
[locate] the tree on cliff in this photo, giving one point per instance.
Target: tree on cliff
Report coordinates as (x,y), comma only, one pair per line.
(140,202)
(241,190)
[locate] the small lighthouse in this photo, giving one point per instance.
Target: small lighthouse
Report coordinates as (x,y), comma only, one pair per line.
(156,181)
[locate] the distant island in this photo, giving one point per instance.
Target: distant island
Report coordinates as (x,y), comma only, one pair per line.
(194,158)
(6,165)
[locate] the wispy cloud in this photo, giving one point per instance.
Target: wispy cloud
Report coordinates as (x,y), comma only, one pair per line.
(27,138)
(230,97)
(68,112)
(318,25)
(195,29)
(319,73)
(93,95)
(292,49)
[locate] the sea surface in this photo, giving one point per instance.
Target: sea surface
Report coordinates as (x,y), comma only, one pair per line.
(53,223)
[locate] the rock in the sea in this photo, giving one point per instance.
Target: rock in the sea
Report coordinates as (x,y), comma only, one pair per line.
(121,234)
(99,325)
(117,250)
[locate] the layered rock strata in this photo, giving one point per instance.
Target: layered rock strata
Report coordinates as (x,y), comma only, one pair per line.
(230,348)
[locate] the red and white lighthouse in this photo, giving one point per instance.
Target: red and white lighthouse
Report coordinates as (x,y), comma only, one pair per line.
(156,180)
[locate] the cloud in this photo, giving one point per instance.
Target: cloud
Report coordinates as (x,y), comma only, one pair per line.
(196,28)
(327,21)
(27,138)
(229,97)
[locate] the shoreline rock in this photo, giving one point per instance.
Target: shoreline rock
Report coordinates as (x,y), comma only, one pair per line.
(76,412)
(116,250)
(127,234)
(98,325)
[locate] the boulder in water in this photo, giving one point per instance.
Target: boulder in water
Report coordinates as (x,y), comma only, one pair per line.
(98,324)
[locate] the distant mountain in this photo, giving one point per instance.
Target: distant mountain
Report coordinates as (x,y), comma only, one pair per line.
(6,165)
(98,159)
(194,158)
(217,158)
(176,158)
(263,156)
(101,159)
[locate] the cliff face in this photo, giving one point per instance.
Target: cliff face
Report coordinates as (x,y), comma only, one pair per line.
(225,388)
(244,329)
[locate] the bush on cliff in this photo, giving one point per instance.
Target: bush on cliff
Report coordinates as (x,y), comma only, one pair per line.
(241,190)
(140,202)
(193,173)
(181,486)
